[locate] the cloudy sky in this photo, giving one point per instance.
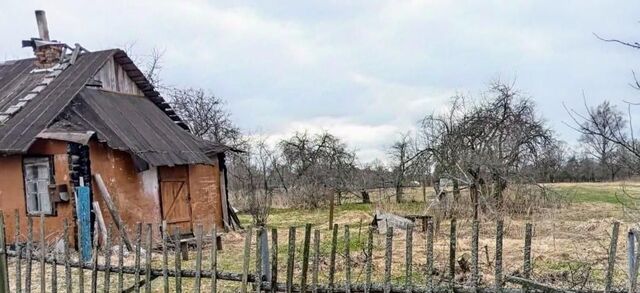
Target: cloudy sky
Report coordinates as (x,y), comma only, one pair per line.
(364,70)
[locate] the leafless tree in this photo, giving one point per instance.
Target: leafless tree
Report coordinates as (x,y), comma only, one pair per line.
(205,114)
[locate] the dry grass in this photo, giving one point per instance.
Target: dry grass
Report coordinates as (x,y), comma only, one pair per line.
(569,245)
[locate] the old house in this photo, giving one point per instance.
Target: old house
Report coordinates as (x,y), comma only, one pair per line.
(68,116)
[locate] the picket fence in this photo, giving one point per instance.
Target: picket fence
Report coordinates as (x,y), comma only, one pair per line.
(307,279)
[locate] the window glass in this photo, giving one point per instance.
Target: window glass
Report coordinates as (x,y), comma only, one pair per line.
(37,177)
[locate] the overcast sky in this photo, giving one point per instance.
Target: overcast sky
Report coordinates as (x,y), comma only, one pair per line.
(364,70)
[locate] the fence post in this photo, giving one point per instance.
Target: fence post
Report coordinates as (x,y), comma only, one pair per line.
(137,256)
(368,265)
(408,260)
(258,275)
(274,260)
(498,271)
(107,259)
(387,260)
(612,257)
(67,264)
(305,257)
(18,252)
(147,275)
(214,260)
(178,260)
(316,260)
(332,258)
(121,247)
(198,279)
(291,258)
(94,259)
(347,259)
(43,255)
(475,235)
(526,268)
(452,253)
(165,257)
(245,262)
(429,270)
(4,266)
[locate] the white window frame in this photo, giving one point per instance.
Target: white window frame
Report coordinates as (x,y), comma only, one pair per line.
(38,175)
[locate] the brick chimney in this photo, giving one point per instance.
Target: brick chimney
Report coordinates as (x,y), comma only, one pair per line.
(48,53)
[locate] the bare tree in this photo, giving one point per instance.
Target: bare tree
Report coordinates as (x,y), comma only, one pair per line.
(205,114)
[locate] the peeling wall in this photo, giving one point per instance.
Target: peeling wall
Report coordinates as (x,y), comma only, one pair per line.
(12,194)
(206,206)
(125,186)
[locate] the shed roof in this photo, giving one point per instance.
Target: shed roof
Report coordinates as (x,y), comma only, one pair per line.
(133,124)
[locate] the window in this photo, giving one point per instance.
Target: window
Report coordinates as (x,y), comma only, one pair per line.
(37,177)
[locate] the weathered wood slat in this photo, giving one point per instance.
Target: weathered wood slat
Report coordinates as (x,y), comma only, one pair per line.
(274,258)
(332,257)
(94,259)
(305,256)
(18,275)
(147,262)
(259,274)
(178,261)
(316,261)
(429,270)
(121,247)
(113,210)
(214,259)
(107,259)
(368,261)
(67,255)
(245,263)
(498,261)
(347,259)
(388,256)
(138,247)
(291,251)
(526,266)
(165,258)
(4,265)
(475,270)
(612,257)
(452,253)
(408,263)
(198,279)
(43,254)
(29,256)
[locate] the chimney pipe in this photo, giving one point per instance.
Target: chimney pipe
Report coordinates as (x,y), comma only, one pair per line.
(43,28)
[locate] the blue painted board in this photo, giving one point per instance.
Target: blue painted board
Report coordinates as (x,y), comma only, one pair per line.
(83,210)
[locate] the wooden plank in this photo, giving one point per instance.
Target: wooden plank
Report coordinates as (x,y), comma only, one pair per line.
(347,260)
(498,261)
(43,256)
(165,258)
(29,256)
(475,274)
(332,258)
(67,255)
(274,259)
(137,256)
(245,262)
(611,260)
(4,265)
(107,259)
(452,253)
(198,279)
(429,269)
(178,260)
(98,215)
(94,259)
(83,216)
(258,275)
(113,210)
(120,262)
(147,262)
(388,258)
(214,260)
(408,285)
(291,250)
(18,274)
(368,261)
(316,261)
(535,285)
(305,257)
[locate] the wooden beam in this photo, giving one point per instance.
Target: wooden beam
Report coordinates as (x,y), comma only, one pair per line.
(100,219)
(113,210)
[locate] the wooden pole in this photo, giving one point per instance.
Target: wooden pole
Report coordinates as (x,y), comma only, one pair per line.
(113,210)
(452,253)
(165,258)
(214,260)
(408,285)
(67,266)
(429,270)
(19,251)
(526,267)
(388,256)
(29,261)
(147,262)
(198,279)
(137,256)
(107,259)
(305,256)
(475,272)
(368,261)
(316,260)
(4,265)
(43,254)
(291,258)
(94,259)
(274,259)
(245,263)
(178,260)
(332,258)
(259,274)
(347,259)
(612,257)
(331,209)
(498,262)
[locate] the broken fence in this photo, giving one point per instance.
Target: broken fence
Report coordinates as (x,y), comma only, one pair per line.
(308,281)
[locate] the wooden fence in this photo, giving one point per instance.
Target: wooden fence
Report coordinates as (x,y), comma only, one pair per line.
(307,279)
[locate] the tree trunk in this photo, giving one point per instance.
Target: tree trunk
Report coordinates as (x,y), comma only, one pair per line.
(365,196)
(424,188)
(399,195)
(473,191)
(456,190)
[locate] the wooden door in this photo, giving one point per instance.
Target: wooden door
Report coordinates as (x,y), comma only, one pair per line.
(174,196)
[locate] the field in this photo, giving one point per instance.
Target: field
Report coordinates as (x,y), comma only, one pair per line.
(569,247)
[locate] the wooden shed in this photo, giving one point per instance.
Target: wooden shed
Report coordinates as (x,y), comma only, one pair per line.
(69,115)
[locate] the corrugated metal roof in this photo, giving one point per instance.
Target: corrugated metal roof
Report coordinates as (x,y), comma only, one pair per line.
(136,125)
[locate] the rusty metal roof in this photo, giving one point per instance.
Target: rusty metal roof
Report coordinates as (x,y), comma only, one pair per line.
(134,124)
(18,79)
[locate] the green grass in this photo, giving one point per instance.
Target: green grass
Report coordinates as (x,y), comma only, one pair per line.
(596,193)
